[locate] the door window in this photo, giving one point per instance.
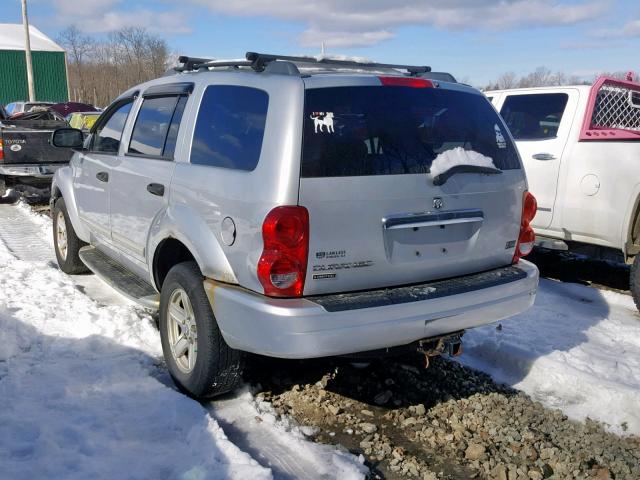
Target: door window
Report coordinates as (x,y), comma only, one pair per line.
(535,116)
(106,138)
(230,127)
(156,128)
(172,134)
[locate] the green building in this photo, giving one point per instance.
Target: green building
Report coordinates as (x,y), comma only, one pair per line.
(49,66)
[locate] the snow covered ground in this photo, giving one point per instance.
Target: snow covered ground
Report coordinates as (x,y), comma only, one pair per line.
(577,349)
(83,393)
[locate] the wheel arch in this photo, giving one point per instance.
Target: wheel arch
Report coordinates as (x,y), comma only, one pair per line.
(169,253)
(631,227)
(62,187)
(182,235)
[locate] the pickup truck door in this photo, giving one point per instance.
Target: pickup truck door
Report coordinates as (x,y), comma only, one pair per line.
(92,171)
(540,122)
(142,175)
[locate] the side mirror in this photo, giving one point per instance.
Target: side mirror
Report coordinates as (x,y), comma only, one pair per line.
(67,138)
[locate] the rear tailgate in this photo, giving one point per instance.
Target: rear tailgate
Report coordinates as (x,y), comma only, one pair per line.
(25,145)
(376,217)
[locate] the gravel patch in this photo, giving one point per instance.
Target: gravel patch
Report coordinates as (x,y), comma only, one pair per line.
(447,422)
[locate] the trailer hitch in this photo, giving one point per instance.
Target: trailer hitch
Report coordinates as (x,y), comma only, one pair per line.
(434,347)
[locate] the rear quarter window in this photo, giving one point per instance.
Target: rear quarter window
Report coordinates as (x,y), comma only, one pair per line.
(534,116)
(230,127)
(357,131)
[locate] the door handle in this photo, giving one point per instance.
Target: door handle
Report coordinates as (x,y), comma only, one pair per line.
(543,156)
(102,176)
(156,189)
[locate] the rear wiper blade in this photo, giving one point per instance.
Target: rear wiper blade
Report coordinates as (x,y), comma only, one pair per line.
(443,177)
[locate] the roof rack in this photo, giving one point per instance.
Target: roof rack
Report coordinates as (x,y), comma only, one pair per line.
(259,61)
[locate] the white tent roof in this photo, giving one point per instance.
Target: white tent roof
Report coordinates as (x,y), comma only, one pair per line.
(12,38)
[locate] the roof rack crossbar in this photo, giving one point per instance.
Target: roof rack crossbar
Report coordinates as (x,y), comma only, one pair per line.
(222,63)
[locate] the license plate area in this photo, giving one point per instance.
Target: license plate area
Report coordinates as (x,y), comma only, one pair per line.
(430,236)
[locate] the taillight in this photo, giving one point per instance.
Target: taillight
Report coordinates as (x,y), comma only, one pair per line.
(527,237)
(283,264)
(406,82)
(1,150)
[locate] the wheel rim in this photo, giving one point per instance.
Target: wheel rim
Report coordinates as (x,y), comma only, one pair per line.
(61,236)
(182,331)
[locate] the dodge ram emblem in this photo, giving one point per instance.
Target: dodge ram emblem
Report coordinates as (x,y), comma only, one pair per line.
(438,203)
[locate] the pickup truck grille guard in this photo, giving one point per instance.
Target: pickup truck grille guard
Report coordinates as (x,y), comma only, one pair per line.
(613,111)
(416,293)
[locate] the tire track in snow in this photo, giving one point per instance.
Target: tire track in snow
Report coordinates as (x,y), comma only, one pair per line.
(277,444)
(22,236)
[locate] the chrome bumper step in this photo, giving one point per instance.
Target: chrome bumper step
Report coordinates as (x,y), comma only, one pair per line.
(416,293)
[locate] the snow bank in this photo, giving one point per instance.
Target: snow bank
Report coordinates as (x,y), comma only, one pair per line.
(577,349)
(84,392)
(458,156)
(79,397)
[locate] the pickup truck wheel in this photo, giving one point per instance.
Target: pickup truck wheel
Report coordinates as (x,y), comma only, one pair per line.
(634,281)
(66,242)
(199,360)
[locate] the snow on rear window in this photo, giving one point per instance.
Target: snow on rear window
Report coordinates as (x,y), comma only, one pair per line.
(358,131)
(456,157)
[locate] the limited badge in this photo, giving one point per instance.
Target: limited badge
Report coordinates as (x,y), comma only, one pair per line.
(322,120)
(324,276)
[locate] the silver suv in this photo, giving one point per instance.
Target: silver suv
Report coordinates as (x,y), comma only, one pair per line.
(298,208)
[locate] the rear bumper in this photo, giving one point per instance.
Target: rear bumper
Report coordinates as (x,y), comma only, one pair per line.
(38,171)
(302,328)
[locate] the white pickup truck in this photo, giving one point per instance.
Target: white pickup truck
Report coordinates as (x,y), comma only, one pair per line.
(580,146)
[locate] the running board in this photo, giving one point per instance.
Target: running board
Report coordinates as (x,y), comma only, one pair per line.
(551,243)
(119,278)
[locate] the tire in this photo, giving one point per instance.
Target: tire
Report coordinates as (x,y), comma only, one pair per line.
(634,281)
(66,252)
(204,366)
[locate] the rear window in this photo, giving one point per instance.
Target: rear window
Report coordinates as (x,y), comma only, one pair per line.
(356,131)
(534,116)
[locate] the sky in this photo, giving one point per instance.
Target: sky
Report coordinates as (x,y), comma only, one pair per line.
(476,40)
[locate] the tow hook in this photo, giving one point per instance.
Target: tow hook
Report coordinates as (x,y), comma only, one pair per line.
(433,347)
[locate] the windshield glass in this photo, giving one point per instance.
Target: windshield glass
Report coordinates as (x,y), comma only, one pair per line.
(354,131)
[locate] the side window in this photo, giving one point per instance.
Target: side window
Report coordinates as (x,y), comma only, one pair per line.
(230,127)
(106,138)
(172,135)
(156,126)
(535,116)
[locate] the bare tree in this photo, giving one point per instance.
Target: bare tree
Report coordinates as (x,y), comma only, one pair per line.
(100,69)
(540,77)
(79,48)
(507,80)
(621,75)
